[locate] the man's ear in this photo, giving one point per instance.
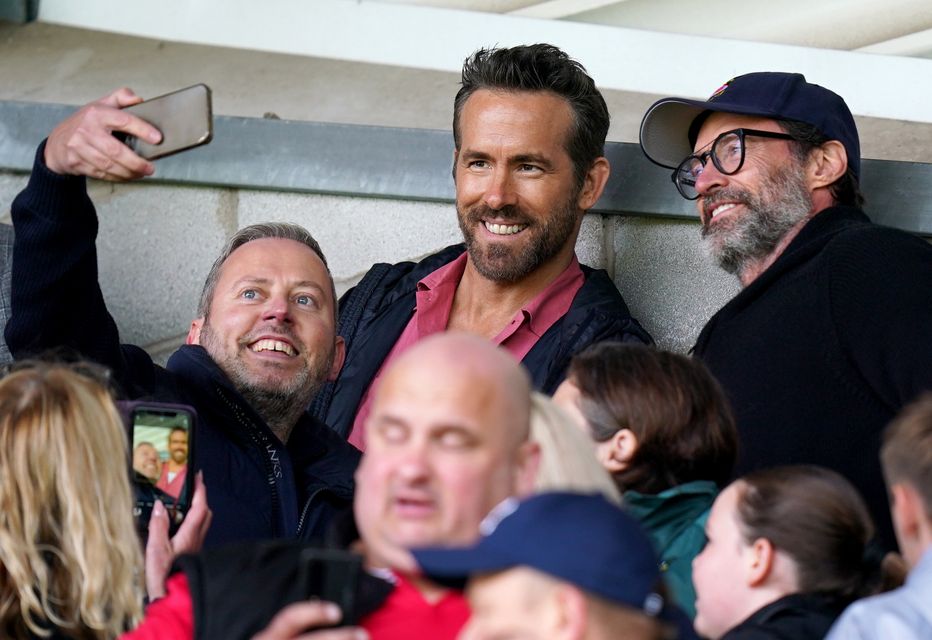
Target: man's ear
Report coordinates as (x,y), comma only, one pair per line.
(194,333)
(593,184)
(528,465)
(906,508)
(827,163)
(759,562)
(616,453)
(456,157)
(339,355)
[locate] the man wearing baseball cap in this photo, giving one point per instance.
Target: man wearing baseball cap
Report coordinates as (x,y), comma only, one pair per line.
(830,335)
(559,565)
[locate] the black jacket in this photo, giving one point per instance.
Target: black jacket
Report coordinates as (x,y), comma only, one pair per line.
(236,590)
(257,487)
(374,313)
(799,616)
(821,351)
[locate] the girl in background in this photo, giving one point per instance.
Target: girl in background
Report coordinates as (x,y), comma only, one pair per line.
(664,430)
(787,552)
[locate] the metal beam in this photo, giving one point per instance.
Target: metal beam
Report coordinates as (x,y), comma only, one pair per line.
(414,164)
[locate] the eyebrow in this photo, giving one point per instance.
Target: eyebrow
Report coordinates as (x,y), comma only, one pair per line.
(521,158)
(302,284)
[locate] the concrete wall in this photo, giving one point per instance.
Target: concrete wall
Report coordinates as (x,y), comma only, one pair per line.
(157,243)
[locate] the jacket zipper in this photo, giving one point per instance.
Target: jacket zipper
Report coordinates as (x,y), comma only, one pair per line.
(261,441)
(307,506)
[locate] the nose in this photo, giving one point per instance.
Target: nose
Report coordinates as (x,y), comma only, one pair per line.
(277,308)
(413,464)
(710,179)
(499,191)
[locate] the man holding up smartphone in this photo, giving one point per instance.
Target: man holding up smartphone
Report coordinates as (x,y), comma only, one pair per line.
(263,342)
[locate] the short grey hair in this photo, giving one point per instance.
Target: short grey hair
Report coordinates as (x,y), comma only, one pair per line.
(279,230)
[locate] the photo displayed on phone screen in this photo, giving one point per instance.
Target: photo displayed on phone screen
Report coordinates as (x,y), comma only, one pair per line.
(161,450)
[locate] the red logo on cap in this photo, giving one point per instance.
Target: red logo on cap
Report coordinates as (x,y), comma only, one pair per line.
(720,90)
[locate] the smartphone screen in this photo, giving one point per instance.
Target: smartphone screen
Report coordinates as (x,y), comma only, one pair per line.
(161,447)
(184,117)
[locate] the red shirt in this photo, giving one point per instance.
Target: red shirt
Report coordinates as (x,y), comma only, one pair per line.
(168,618)
(406,615)
(434,301)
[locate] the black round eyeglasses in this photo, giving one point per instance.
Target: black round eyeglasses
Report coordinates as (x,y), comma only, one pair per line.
(727,154)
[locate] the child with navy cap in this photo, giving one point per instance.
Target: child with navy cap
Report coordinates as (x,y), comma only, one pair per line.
(559,565)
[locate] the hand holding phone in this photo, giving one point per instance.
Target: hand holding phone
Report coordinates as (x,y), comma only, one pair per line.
(161,550)
(83,145)
(184,118)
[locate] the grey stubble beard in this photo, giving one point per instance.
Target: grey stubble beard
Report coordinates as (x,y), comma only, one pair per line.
(782,203)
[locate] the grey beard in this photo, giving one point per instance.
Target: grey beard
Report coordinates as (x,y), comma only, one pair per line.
(781,204)
(279,406)
(280,409)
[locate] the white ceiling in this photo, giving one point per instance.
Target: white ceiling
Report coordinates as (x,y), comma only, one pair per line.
(896,27)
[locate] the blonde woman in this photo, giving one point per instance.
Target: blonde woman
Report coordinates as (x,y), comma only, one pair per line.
(70,559)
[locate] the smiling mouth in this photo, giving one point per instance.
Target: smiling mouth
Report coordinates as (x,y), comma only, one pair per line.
(711,212)
(277,346)
(722,208)
(504,229)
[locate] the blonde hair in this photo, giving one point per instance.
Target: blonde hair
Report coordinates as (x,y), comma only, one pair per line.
(568,461)
(70,559)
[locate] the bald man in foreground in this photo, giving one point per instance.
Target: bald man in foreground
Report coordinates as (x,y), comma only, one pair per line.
(447,442)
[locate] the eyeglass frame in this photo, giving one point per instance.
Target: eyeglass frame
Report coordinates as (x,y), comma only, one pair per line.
(704,157)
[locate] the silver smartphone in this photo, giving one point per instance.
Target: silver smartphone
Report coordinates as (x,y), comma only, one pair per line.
(184,117)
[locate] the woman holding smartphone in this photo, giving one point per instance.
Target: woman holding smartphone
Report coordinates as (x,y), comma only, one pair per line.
(70,560)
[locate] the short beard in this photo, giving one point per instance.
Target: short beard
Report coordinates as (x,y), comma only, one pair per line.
(782,202)
(499,263)
(278,404)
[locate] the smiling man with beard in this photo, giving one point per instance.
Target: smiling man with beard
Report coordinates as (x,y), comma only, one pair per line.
(529,129)
(263,342)
(830,336)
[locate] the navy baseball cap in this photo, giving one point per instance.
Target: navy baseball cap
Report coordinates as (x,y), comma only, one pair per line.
(670,126)
(577,538)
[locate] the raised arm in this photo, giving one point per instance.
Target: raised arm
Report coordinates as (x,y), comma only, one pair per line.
(56,298)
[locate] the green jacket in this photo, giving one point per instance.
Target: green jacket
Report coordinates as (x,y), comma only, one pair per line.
(675,521)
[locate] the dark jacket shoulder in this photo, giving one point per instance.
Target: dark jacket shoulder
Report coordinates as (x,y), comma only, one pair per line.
(799,616)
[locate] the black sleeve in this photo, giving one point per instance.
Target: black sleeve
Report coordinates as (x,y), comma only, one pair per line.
(55,295)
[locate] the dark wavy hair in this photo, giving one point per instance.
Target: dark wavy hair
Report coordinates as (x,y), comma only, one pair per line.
(541,67)
(672,404)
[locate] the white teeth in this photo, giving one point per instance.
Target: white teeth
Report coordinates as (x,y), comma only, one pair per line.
(503,229)
(722,208)
(273,345)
